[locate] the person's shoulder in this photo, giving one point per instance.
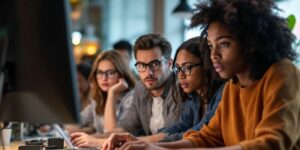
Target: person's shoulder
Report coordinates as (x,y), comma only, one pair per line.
(193,101)
(220,88)
(130,91)
(139,86)
(194,96)
(282,69)
(219,92)
(139,92)
(284,65)
(128,94)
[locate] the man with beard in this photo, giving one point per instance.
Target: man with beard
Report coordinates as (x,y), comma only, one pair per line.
(152,107)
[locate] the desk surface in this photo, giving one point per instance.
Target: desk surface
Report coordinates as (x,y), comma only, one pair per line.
(13,146)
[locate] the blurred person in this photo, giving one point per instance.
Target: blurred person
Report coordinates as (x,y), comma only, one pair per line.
(125,48)
(83,72)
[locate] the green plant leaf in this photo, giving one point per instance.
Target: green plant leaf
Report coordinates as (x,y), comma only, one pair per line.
(291,21)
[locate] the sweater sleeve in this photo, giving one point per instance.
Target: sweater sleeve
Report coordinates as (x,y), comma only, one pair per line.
(279,127)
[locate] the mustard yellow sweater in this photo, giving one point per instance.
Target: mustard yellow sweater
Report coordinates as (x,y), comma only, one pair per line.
(263,116)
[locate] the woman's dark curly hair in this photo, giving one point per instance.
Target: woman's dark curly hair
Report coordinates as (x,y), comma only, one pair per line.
(210,80)
(262,34)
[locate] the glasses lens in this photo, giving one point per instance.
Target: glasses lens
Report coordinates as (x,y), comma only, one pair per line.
(110,73)
(140,67)
(186,70)
(155,65)
(99,74)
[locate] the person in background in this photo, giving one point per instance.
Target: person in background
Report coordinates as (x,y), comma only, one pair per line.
(111,91)
(83,72)
(153,107)
(260,108)
(125,48)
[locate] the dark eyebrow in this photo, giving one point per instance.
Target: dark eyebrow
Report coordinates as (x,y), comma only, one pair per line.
(185,63)
(106,70)
(224,36)
(138,62)
(221,37)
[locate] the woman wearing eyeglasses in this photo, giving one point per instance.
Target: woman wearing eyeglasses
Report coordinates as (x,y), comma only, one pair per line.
(199,86)
(111,91)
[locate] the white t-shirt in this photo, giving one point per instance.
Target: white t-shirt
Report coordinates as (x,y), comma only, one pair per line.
(156,120)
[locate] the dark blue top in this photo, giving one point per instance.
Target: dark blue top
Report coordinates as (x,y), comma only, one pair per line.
(190,117)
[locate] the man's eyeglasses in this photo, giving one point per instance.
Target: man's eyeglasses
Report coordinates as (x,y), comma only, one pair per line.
(153,65)
(185,69)
(108,73)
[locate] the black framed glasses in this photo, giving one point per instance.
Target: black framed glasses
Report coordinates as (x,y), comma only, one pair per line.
(153,65)
(185,69)
(108,73)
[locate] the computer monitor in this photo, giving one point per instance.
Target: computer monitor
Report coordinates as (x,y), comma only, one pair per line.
(40,74)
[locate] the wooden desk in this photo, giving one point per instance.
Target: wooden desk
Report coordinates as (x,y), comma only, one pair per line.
(12,146)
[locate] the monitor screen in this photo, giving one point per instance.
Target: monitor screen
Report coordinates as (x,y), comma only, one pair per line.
(40,82)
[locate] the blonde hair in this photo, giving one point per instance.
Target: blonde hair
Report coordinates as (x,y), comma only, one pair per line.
(116,59)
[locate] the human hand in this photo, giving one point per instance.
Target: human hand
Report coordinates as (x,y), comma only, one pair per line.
(81,139)
(119,87)
(117,140)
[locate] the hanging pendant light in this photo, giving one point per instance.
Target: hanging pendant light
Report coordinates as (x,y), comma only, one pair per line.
(183,10)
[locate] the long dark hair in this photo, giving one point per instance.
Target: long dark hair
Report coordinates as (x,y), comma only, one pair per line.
(263,35)
(210,80)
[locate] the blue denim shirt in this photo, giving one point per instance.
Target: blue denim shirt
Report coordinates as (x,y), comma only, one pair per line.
(190,117)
